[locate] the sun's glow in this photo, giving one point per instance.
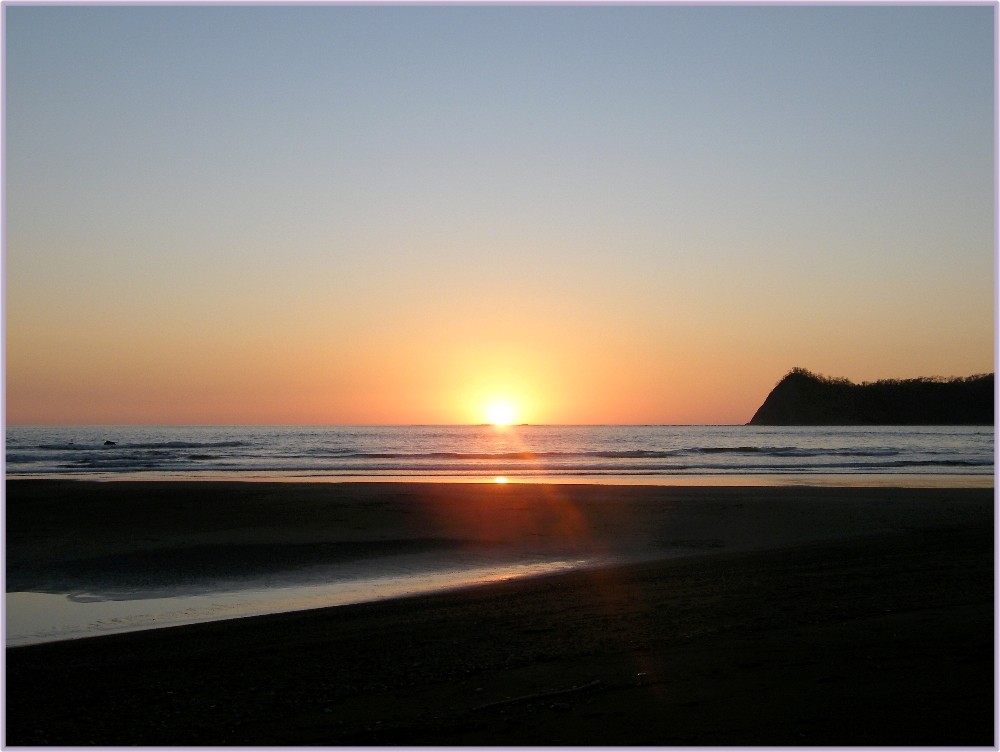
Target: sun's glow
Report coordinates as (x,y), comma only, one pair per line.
(500,479)
(500,413)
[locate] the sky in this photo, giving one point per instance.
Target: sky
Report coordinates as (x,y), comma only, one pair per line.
(405,214)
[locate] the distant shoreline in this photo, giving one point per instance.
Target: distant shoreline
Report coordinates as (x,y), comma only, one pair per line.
(723,480)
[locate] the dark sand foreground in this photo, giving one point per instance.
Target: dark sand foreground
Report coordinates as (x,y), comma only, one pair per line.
(802,616)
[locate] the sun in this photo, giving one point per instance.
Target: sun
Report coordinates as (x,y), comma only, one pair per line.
(500,413)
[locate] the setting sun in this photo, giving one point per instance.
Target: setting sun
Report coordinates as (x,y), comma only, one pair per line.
(500,413)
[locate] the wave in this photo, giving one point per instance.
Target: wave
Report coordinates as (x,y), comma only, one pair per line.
(164,448)
(677,460)
(74,447)
(788,451)
(625,454)
(137,463)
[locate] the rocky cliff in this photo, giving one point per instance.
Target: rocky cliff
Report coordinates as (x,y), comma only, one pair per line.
(802,398)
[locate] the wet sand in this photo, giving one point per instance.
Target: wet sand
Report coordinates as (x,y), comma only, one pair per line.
(771,616)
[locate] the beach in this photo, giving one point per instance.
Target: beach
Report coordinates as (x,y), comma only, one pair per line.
(709,616)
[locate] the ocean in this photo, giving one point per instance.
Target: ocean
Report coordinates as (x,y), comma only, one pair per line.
(601,454)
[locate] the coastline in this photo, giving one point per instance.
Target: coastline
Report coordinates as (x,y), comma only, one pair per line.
(728,479)
(767,615)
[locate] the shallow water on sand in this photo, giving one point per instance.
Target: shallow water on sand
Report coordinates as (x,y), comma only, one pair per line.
(46,617)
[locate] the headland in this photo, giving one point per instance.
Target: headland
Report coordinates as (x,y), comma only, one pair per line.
(803,398)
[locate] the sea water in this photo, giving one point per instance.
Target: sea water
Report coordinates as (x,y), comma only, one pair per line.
(657,454)
(32,618)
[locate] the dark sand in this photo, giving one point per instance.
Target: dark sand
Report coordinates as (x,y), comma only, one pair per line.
(802,616)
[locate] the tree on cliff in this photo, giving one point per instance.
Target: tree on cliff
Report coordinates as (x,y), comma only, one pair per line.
(807,399)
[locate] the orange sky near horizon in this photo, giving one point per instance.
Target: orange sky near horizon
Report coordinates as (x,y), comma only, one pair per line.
(550,374)
(313,215)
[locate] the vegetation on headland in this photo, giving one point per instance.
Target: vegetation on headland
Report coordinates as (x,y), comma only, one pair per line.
(803,398)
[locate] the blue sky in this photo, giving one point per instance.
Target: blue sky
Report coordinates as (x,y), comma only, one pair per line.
(198,193)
